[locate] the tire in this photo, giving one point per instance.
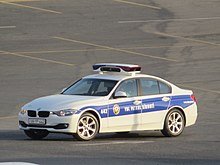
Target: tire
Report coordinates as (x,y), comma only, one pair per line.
(36,134)
(174,123)
(87,127)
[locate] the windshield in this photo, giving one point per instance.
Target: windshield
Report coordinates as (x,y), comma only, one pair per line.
(91,87)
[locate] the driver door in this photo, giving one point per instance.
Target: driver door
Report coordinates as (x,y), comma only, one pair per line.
(125,113)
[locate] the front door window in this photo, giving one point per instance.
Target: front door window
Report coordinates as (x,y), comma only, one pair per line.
(129,87)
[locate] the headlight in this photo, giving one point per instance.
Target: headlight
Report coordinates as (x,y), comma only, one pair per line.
(23,112)
(66,112)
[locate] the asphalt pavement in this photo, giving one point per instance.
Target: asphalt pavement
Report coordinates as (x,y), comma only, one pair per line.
(45,45)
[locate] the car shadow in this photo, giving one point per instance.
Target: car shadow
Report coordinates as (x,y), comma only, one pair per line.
(17,135)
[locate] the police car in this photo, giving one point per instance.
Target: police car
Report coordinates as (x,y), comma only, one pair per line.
(116,99)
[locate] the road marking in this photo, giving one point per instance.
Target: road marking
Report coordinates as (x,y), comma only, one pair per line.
(31,7)
(185,38)
(17,163)
(115,49)
(37,58)
(20,0)
(138,4)
(114,142)
(87,50)
(8,117)
(61,51)
(198,88)
(7,27)
(174,19)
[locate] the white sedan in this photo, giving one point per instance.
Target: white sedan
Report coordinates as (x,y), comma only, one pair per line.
(117,99)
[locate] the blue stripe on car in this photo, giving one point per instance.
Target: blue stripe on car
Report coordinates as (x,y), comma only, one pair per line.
(148,105)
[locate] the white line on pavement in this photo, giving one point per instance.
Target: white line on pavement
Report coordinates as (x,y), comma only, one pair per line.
(7,27)
(174,19)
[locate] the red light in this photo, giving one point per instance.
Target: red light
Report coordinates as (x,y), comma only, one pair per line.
(113,67)
(193,98)
(130,69)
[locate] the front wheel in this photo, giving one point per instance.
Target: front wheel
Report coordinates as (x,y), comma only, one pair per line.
(36,134)
(174,123)
(87,127)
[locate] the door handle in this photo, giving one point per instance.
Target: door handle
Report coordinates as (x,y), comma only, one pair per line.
(165,99)
(137,102)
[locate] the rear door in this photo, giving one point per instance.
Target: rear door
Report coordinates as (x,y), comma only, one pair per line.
(155,96)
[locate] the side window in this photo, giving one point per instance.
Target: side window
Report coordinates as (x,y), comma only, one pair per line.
(149,86)
(129,87)
(164,88)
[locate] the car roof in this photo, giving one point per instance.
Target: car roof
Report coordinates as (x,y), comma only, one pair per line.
(118,77)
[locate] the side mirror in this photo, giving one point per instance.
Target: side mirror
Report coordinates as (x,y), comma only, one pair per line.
(63,90)
(120,94)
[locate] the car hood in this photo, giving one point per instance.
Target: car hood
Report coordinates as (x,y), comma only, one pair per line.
(60,102)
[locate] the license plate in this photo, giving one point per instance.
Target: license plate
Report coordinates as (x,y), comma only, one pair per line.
(37,121)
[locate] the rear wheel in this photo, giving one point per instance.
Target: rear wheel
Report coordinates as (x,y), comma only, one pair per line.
(174,123)
(87,127)
(36,134)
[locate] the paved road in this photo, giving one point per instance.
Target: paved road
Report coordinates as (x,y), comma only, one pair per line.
(46,45)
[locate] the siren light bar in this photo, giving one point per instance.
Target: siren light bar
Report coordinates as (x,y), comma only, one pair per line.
(113,67)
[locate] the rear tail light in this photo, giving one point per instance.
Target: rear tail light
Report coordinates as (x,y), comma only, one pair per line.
(193,98)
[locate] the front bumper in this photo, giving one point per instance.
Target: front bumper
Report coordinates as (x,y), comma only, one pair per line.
(54,123)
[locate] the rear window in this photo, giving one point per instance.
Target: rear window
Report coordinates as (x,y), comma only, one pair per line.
(149,87)
(164,88)
(152,87)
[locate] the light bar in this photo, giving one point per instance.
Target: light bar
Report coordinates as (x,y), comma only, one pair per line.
(113,67)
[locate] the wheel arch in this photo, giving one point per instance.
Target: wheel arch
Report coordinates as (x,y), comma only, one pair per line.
(178,108)
(93,112)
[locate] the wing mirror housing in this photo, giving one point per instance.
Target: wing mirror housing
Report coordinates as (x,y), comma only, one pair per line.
(120,94)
